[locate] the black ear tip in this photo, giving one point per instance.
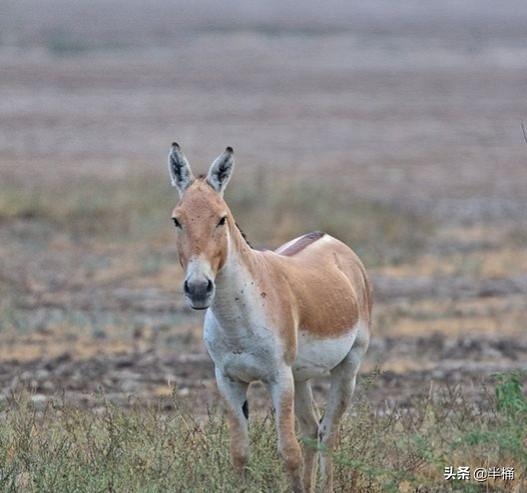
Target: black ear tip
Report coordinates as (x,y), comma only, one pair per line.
(175,145)
(229,149)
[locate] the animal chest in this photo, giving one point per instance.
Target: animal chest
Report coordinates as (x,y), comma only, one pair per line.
(245,353)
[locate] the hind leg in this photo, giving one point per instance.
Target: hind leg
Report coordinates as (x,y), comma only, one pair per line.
(343,379)
(308,420)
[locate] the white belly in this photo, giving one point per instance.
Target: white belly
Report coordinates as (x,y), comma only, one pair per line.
(317,357)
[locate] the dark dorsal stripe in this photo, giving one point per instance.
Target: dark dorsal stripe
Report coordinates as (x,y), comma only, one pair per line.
(302,243)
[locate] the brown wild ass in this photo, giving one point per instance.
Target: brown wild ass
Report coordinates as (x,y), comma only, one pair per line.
(282,317)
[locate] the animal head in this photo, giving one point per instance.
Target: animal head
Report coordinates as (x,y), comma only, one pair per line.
(203,221)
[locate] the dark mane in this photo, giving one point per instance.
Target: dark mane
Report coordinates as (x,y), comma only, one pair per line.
(243,234)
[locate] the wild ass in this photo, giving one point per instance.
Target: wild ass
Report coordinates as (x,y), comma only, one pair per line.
(282,317)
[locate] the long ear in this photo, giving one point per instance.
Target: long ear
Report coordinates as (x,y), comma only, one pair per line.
(221,170)
(180,173)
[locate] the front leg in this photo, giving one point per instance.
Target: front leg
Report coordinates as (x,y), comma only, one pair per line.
(235,394)
(283,394)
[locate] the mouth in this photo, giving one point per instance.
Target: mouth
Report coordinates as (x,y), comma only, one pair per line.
(198,304)
(199,307)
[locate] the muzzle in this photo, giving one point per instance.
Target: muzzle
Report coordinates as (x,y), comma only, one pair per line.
(199,286)
(199,292)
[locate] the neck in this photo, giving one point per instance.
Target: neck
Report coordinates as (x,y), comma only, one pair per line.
(234,282)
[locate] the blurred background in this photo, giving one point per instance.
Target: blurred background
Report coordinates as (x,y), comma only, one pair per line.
(394,126)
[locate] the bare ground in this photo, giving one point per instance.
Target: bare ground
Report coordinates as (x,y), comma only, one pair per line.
(415,138)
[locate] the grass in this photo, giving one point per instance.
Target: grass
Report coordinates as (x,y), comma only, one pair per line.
(63,449)
(269,212)
(288,208)
(90,207)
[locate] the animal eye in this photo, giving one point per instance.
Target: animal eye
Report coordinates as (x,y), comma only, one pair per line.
(221,222)
(177,224)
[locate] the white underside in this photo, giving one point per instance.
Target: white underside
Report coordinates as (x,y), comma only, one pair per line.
(253,354)
(316,357)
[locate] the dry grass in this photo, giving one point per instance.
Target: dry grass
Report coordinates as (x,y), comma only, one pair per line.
(475,317)
(62,449)
(270,213)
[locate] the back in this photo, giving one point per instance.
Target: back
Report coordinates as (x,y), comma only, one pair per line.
(329,283)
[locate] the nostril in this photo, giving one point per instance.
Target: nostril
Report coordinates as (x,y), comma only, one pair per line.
(209,286)
(185,287)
